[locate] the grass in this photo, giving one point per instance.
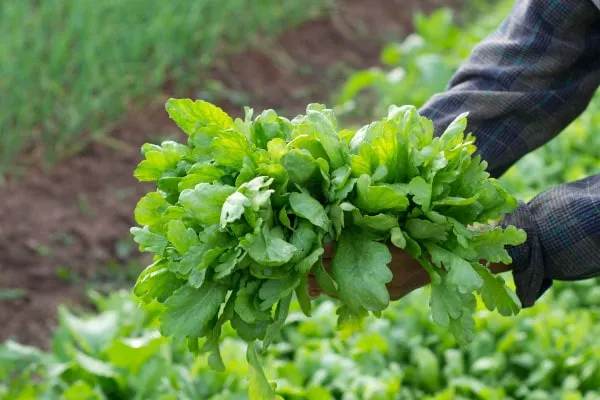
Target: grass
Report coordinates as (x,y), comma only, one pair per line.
(70,67)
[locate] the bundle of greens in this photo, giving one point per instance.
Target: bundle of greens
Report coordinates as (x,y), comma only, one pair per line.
(241,215)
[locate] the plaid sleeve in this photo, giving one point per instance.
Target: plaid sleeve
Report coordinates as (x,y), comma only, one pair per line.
(522,86)
(563,237)
(527,81)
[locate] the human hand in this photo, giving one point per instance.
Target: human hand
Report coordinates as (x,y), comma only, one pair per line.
(408,274)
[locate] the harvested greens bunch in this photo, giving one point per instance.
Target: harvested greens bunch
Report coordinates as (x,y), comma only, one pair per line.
(242,212)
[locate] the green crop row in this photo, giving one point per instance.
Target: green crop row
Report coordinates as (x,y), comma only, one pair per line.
(548,352)
(70,68)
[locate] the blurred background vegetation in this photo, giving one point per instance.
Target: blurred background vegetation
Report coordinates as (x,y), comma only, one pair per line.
(72,71)
(71,68)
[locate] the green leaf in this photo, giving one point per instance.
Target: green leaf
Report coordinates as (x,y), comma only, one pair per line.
(325,131)
(300,165)
(456,201)
(325,280)
(269,250)
(205,201)
(230,148)
(379,222)
(250,332)
(350,321)
(281,314)
(427,369)
(375,199)
(133,352)
(181,237)
(197,277)
(456,128)
(303,297)
(259,387)
(189,311)
(213,236)
(303,239)
(269,127)
(277,149)
(496,295)
(189,115)
(445,303)
(490,243)
(397,238)
(256,190)
(207,258)
(359,266)
(94,366)
(93,334)
(305,265)
(211,346)
(149,241)
(156,163)
(307,207)
(460,272)
(342,193)
(245,304)
(227,263)
(363,163)
(463,328)
(340,176)
(336,214)
(381,136)
(81,390)
(275,289)
(421,191)
(233,208)
(284,219)
(360,80)
(156,282)
(149,209)
(423,229)
(190,260)
(200,173)
(12,352)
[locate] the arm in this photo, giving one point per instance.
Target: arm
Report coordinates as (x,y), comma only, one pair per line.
(522,86)
(527,81)
(563,238)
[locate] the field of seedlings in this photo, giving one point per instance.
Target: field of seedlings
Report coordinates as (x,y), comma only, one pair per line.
(227,200)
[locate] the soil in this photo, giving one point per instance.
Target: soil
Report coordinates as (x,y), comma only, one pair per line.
(60,228)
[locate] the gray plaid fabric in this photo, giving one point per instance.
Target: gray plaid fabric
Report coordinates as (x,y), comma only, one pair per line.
(521,87)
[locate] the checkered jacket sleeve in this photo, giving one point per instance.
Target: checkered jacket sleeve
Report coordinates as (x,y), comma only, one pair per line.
(522,86)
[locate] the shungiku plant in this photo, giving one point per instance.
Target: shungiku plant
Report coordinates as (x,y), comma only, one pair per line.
(241,215)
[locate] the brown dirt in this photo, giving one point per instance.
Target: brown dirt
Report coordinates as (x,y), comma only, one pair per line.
(75,216)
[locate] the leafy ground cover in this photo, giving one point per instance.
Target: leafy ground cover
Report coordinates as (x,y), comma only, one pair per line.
(549,352)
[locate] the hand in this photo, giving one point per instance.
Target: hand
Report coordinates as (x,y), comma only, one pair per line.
(409,275)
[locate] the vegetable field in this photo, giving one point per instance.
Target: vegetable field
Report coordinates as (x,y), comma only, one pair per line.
(182,271)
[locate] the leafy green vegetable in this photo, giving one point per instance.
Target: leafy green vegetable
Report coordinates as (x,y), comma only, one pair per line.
(360,270)
(242,213)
